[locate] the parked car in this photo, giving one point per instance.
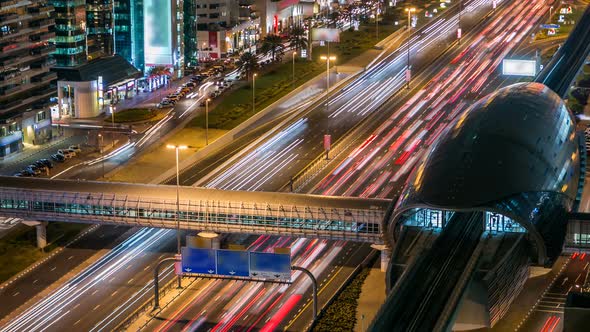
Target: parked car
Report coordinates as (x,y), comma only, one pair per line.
(38,163)
(35,171)
(66,153)
(75,148)
(45,162)
(58,157)
(190,84)
(18,174)
(42,169)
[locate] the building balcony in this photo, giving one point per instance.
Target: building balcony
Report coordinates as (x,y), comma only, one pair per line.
(12,90)
(43,78)
(37,99)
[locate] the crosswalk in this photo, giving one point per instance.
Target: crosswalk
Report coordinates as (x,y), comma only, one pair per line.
(6,223)
(553,303)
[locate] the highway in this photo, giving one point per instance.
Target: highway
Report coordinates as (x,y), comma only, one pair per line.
(188,308)
(366,93)
(129,268)
(547,315)
(377,167)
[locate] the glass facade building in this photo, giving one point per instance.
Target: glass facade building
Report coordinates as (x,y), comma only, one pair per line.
(129,31)
(190,33)
(99,28)
(70,32)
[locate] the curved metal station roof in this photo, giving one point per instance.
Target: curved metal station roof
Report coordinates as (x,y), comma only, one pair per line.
(514,152)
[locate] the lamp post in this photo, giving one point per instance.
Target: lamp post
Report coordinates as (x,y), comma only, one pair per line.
(100,145)
(408,70)
(293,81)
(207,121)
(377,20)
(113,110)
(459,29)
(176,148)
(254,92)
(327,59)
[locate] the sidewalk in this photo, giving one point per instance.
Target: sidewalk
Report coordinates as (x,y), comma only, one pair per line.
(371,298)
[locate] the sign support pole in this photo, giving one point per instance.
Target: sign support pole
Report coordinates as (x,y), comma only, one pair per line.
(156,280)
(314,284)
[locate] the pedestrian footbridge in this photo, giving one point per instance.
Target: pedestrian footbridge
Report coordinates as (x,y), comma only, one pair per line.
(311,216)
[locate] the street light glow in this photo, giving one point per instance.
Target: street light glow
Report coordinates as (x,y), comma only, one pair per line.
(179,147)
(331,57)
(411,9)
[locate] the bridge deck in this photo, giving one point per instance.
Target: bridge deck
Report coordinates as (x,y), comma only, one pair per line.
(342,218)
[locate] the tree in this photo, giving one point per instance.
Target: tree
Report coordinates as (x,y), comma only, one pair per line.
(159,71)
(249,63)
(272,44)
(298,38)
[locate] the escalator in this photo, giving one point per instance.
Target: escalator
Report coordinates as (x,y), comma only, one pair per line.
(428,292)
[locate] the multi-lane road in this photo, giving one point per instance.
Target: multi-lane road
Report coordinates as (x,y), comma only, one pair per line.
(121,280)
(466,64)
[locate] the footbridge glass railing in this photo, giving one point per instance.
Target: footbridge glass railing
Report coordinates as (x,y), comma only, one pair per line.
(221,216)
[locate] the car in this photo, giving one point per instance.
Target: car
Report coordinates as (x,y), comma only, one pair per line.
(58,157)
(75,148)
(24,173)
(39,163)
(174,97)
(18,174)
(34,170)
(66,153)
(45,162)
(28,172)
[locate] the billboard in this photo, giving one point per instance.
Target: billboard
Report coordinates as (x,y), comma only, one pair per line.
(512,67)
(324,34)
(157,23)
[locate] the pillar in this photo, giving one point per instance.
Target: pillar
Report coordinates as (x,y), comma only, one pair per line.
(385,257)
(41,234)
(215,243)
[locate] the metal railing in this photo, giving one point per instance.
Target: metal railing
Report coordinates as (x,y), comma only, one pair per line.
(215,215)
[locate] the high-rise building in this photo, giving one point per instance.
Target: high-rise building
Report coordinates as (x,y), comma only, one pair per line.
(128,33)
(99,28)
(70,32)
(190,33)
(26,84)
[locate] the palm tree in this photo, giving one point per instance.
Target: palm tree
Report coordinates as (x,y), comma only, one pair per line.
(297,38)
(249,62)
(159,71)
(272,44)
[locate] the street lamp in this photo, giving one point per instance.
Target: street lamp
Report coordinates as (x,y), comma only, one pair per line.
(377,21)
(459,29)
(327,59)
(293,81)
(254,92)
(113,110)
(100,145)
(408,70)
(176,148)
(207,121)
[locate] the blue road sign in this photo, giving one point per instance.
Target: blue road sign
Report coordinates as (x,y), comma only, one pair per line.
(197,260)
(268,265)
(233,263)
(549,26)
